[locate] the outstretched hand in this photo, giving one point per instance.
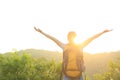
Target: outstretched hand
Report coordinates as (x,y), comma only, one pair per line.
(37,29)
(107,30)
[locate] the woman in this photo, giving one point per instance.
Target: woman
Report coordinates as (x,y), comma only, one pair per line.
(71,36)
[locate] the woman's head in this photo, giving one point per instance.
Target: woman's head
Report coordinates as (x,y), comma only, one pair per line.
(71,36)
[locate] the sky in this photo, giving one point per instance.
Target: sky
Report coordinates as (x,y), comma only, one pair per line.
(57,18)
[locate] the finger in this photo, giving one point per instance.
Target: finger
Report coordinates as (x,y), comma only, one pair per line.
(111,30)
(35,28)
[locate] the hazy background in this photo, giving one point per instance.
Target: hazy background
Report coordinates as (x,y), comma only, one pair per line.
(57,18)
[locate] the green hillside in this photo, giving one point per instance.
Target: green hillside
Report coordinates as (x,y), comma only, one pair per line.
(95,63)
(98,63)
(44,54)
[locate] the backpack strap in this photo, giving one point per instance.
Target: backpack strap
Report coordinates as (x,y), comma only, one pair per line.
(61,73)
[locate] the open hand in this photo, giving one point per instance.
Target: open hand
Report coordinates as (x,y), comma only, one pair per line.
(107,30)
(37,29)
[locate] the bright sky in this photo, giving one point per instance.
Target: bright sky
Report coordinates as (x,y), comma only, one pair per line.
(57,18)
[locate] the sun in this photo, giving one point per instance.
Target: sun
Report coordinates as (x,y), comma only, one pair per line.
(94,46)
(78,40)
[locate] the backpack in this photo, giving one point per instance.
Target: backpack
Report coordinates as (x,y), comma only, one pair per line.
(72,60)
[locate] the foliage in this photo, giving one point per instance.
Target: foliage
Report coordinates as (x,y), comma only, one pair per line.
(112,73)
(95,63)
(24,67)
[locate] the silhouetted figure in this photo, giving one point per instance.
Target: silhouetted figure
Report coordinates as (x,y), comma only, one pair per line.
(75,48)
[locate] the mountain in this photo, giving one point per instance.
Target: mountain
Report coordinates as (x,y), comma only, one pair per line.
(98,63)
(44,54)
(95,63)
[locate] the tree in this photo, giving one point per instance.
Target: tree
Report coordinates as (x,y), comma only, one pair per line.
(14,66)
(112,73)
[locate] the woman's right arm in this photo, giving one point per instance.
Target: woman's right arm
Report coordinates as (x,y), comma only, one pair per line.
(86,42)
(60,44)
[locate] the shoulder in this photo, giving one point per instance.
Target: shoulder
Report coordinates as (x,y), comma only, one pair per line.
(63,46)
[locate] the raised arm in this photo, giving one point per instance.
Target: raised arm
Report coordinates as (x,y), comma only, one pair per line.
(60,44)
(86,42)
